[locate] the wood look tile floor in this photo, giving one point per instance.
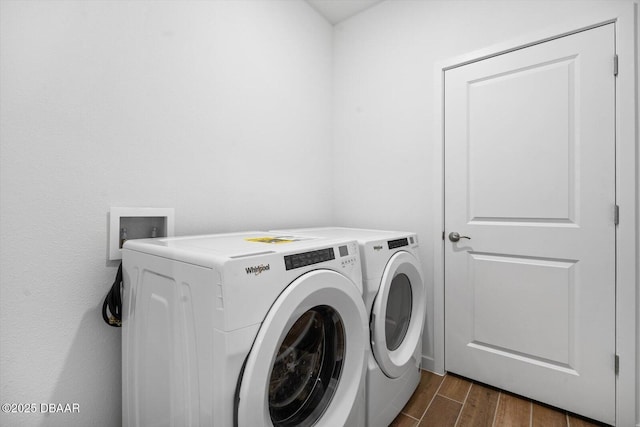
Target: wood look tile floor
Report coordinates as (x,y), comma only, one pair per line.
(453,401)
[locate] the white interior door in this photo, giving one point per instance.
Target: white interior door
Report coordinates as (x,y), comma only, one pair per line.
(530,178)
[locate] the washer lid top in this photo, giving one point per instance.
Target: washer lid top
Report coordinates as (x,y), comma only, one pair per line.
(231,245)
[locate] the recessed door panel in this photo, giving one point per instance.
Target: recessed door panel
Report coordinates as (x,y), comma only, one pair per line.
(524,306)
(530,181)
(536,145)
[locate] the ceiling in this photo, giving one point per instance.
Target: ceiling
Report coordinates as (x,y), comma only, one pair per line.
(339,10)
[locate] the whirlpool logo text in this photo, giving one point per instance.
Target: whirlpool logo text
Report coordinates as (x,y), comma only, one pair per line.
(257,269)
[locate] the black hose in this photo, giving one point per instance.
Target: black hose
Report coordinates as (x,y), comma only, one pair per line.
(113,302)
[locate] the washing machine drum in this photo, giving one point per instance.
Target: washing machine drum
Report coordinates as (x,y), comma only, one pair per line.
(397,316)
(308,362)
(307,368)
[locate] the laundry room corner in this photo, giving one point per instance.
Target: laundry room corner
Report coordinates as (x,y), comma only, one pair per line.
(203,107)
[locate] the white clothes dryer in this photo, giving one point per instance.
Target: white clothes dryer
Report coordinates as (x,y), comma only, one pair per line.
(243,330)
(394,296)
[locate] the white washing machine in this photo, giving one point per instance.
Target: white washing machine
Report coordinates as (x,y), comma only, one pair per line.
(394,296)
(243,330)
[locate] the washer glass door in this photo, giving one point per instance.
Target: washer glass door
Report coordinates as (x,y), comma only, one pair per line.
(398,314)
(307,368)
(307,364)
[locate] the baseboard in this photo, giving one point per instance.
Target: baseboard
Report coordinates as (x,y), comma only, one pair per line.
(428,364)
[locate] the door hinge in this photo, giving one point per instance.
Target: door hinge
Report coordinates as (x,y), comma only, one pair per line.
(617,364)
(616,215)
(443,235)
(615,64)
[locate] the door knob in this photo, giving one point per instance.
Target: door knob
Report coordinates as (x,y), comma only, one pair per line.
(455,236)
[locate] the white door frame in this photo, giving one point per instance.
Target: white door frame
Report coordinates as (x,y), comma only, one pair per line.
(626,18)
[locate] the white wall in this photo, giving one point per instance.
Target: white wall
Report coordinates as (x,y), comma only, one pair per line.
(385,106)
(219,109)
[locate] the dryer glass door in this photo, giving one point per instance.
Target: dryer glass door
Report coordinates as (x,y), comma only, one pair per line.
(398,312)
(398,315)
(307,364)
